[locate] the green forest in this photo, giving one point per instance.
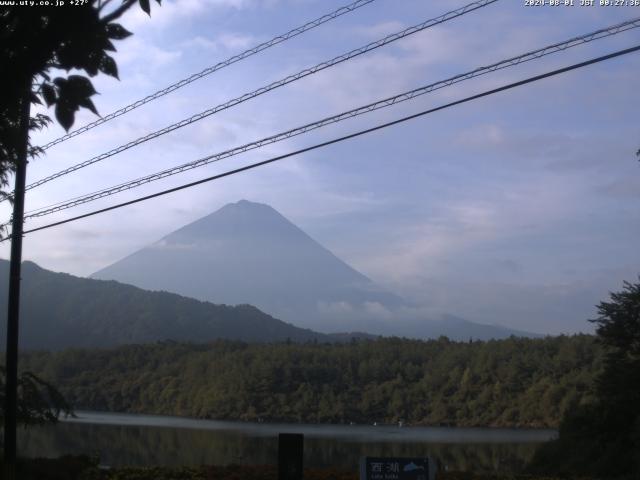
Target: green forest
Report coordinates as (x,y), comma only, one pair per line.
(514,382)
(62,311)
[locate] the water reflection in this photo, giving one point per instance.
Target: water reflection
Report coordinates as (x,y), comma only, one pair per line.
(147,440)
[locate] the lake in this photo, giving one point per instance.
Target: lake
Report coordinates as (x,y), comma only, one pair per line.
(129,439)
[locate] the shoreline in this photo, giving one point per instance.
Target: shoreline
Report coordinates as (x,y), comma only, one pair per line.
(360,432)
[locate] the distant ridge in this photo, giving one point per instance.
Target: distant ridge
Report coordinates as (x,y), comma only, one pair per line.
(248,253)
(60,311)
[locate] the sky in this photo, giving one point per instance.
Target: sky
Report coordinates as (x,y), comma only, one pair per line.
(517,209)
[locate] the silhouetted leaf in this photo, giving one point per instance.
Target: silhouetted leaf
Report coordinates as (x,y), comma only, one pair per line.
(65,114)
(73,92)
(79,86)
(80,56)
(88,103)
(108,65)
(33,152)
(49,94)
(39,121)
(108,46)
(72,40)
(144,5)
(117,31)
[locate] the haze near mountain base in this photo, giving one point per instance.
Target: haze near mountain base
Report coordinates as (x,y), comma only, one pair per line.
(60,311)
(248,253)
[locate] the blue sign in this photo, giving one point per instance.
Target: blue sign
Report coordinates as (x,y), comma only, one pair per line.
(394,468)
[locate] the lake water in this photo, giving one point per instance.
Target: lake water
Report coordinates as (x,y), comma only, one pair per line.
(128,439)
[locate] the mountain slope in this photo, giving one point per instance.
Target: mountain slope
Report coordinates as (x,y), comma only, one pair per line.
(59,310)
(456,328)
(248,253)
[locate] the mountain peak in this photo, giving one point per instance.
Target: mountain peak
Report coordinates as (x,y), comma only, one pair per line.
(246,205)
(247,252)
(240,219)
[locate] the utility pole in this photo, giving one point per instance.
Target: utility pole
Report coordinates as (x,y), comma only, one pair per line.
(13,316)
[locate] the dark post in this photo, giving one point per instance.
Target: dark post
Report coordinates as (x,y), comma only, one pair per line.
(290,452)
(13,316)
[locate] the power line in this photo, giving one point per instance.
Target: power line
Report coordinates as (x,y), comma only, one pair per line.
(554,48)
(279,83)
(343,138)
(218,66)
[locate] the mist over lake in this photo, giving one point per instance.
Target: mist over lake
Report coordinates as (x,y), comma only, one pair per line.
(144,440)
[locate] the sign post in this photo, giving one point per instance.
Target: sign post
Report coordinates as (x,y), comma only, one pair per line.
(397,468)
(290,456)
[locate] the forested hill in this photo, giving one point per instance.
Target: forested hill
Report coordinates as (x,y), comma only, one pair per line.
(59,311)
(513,382)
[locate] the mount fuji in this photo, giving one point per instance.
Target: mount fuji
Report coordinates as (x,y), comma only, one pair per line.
(248,253)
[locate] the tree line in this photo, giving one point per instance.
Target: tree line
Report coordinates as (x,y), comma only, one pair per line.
(515,382)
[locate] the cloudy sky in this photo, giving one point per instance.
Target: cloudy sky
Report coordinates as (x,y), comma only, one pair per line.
(519,209)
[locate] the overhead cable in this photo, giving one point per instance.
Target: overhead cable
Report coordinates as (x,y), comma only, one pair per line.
(214,68)
(343,138)
(387,102)
(272,86)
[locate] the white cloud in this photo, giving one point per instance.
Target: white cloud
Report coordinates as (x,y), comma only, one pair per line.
(235,42)
(482,135)
(378,311)
(176,11)
(551,308)
(335,308)
(144,55)
(422,247)
(378,30)
(200,42)
(164,245)
(625,188)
